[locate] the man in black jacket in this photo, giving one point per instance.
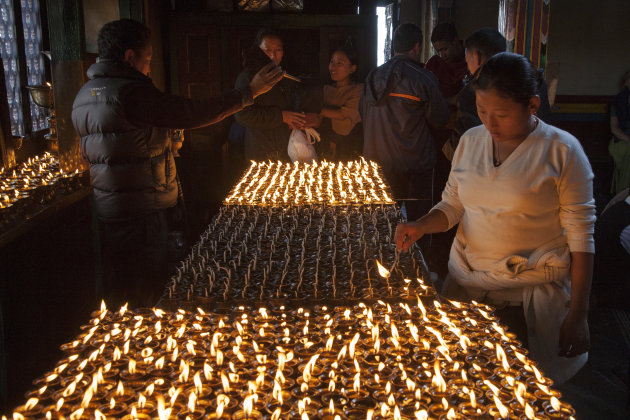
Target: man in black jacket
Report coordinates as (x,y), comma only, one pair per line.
(401,103)
(124,121)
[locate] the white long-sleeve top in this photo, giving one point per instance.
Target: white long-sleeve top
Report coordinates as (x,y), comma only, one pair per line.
(542,191)
(518,222)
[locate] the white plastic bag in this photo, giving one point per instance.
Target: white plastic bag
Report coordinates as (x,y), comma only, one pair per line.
(301,143)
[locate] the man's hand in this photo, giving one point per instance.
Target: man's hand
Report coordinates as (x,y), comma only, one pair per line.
(295,120)
(311,120)
(265,79)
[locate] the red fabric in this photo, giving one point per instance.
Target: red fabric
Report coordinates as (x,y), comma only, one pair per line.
(450,75)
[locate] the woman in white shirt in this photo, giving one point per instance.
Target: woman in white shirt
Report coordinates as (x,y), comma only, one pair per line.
(521,192)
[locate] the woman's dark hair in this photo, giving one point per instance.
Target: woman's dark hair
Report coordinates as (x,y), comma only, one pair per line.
(625,77)
(486,42)
(118,36)
(445,31)
(511,75)
(264,33)
(406,36)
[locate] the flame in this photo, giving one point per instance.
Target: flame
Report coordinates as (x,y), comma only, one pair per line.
(30,404)
(120,389)
(163,412)
(207,370)
(132,366)
(225,382)
(277,391)
(69,389)
(142,400)
(544,388)
(276,414)
(502,357)
(421,415)
(382,271)
(197,382)
(438,380)
(529,412)
(222,401)
(192,398)
(87,397)
(331,407)
(555,403)
(502,409)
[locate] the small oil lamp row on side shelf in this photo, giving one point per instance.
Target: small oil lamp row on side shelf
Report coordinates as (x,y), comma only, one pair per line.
(32,185)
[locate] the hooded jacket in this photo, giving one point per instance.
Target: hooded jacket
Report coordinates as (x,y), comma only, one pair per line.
(123,121)
(400,101)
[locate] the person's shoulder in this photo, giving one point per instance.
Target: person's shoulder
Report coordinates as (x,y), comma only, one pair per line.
(356,87)
(559,138)
(433,62)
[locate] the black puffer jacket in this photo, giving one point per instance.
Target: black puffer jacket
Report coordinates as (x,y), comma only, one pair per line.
(123,122)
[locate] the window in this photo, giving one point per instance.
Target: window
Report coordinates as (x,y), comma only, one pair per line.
(385,33)
(20,49)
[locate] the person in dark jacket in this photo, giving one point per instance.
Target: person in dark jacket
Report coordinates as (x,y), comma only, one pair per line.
(123,121)
(448,64)
(480,46)
(269,121)
(400,104)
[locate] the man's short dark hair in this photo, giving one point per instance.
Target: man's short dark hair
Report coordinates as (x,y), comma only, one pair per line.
(264,33)
(406,36)
(444,32)
(486,42)
(118,36)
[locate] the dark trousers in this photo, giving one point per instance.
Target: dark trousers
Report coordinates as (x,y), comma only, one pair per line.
(416,191)
(134,260)
(611,280)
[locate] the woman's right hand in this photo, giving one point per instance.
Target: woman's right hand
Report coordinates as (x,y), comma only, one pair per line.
(407,234)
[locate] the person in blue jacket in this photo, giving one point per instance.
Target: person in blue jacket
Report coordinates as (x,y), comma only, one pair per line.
(401,103)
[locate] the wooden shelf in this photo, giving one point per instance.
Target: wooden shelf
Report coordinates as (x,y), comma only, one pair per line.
(43,214)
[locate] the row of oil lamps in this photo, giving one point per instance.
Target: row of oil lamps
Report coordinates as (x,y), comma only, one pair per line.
(423,360)
(285,184)
(306,252)
(35,183)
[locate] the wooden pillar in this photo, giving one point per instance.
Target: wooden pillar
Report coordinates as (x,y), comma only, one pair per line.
(368,8)
(67,42)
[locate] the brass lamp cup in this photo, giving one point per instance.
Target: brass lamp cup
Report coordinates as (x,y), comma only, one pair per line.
(42,95)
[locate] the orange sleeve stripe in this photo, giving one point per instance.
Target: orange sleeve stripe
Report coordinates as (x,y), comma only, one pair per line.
(402,95)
